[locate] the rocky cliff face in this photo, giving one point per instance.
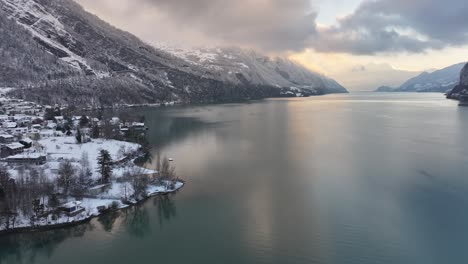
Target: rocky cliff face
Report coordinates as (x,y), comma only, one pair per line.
(461,90)
(73,57)
(464,76)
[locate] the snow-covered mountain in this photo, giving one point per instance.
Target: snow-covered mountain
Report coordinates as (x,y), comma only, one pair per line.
(74,57)
(438,81)
(237,65)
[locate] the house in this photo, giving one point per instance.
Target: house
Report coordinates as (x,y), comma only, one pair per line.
(12,149)
(51,125)
(9,125)
(36,126)
(4,118)
(20,130)
(138,126)
(6,139)
(60,120)
(115,121)
(27,142)
(99,189)
(31,158)
(25,119)
(72,208)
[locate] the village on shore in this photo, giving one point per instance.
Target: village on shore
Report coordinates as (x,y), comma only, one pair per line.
(59,169)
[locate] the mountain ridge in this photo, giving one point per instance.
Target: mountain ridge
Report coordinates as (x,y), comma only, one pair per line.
(96,64)
(442,80)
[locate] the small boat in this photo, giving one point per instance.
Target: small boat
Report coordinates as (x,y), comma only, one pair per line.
(170,159)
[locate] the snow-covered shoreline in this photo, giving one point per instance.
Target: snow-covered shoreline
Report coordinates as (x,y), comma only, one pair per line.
(59,169)
(91,204)
(107,198)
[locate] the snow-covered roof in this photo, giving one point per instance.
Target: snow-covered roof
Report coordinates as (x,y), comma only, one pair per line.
(15,145)
(138,124)
(17,117)
(71,204)
(98,187)
(26,156)
(11,125)
(27,140)
(51,125)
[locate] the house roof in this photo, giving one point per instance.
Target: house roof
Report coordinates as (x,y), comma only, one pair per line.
(15,145)
(11,124)
(138,124)
(26,140)
(71,204)
(26,156)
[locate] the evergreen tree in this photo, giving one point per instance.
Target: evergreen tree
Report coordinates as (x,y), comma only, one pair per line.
(105,166)
(84,121)
(79,137)
(49,114)
(95,132)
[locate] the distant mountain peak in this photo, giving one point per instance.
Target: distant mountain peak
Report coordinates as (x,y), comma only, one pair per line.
(437,81)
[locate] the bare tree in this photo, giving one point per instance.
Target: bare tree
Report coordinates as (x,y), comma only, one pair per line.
(165,168)
(84,161)
(167,171)
(139,183)
(158,162)
(66,174)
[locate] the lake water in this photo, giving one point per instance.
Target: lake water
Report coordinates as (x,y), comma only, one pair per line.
(355,179)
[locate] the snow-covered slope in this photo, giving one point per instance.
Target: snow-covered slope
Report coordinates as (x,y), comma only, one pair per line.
(437,81)
(47,30)
(238,66)
(97,64)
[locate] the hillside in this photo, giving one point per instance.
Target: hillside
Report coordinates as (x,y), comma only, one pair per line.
(56,52)
(441,80)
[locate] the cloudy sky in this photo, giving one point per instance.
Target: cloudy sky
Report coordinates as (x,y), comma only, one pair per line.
(361,43)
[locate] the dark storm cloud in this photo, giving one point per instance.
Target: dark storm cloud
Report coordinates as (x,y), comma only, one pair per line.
(290,25)
(398,25)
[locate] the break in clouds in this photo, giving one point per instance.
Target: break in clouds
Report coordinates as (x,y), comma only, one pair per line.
(290,25)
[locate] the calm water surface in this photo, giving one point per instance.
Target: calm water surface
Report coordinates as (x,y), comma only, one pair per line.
(363,178)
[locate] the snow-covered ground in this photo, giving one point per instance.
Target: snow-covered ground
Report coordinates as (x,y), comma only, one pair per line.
(90,206)
(60,148)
